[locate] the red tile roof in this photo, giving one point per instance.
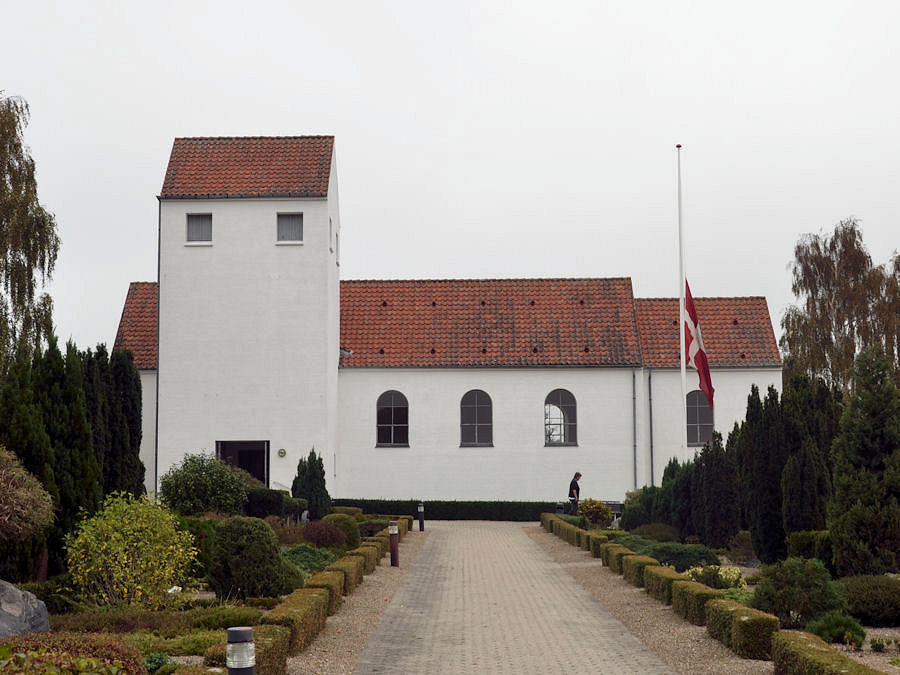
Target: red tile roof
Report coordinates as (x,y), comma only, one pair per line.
(736,331)
(256,166)
(489,322)
(522,322)
(138,325)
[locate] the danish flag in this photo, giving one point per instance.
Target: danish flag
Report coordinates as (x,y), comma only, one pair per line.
(694,352)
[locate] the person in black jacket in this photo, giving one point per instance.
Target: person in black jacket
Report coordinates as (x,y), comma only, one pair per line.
(574,492)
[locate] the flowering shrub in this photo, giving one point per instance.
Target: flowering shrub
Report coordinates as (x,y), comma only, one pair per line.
(131,552)
(596,511)
(716,576)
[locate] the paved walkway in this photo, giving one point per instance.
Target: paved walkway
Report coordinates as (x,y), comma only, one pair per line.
(482,597)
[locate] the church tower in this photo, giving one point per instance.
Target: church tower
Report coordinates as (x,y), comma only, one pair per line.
(248,303)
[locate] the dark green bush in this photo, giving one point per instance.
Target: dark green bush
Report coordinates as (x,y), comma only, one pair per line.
(310,558)
(657,532)
(202,483)
(324,534)
(812,544)
(156,660)
(246,560)
(740,548)
(835,626)
(262,502)
(797,591)
(204,531)
(309,484)
(348,526)
(874,600)
(294,507)
(679,556)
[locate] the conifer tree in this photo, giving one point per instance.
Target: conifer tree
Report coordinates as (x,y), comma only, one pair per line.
(747,443)
(309,484)
(681,499)
(96,376)
(769,538)
(864,515)
(718,494)
(126,422)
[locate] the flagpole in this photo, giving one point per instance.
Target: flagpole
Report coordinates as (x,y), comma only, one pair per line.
(681,302)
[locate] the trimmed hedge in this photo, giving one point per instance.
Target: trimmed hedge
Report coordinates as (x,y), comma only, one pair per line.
(262,502)
(679,556)
(617,556)
(351,567)
(658,582)
(183,644)
(272,645)
(606,551)
(595,541)
(689,600)
(353,511)
(633,567)
(369,554)
(303,613)
(381,541)
(333,582)
(107,650)
(748,632)
(798,653)
(170,621)
(455,510)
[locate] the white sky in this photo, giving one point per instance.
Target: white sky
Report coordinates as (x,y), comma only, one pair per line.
(475,139)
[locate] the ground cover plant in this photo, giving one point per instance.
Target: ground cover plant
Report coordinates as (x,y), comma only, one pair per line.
(310,558)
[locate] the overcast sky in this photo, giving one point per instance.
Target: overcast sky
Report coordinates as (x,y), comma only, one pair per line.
(475,139)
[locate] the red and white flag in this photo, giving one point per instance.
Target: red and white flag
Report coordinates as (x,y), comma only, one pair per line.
(694,352)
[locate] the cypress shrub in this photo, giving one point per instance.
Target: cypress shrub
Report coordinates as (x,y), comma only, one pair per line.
(262,502)
(246,560)
(309,484)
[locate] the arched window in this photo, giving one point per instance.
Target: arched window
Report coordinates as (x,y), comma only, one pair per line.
(476,422)
(392,415)
(699,419)
(560,427)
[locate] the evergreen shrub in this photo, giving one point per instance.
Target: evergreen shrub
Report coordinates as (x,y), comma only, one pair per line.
(201,483)
(596,512)
(131,552)
(352,568)
(288,531)
(751,633)
(633,567)
(204,531)
(874,600)
(184,644)
(309,484)
(246,561)
(616,558)
(719,618)
(26,507)
(353,511)
(324,534)
(262,502)
(310,558)
(740,547)
(294,507)
(348,525)
(272,645)
(797,590)
(679,556)
(837,627)
(369,554)
(716,576)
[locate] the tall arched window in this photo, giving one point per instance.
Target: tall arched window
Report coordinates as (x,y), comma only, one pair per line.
(560,427)
(476,422)
(699,419)
(392,415)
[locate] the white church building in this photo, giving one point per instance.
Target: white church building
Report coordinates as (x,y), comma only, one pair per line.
(250,346)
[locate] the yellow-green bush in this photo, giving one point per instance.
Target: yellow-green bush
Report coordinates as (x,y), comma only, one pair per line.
(798,653)
(303,612)
(352,569)
(616,556)
(369,554)
(382,542)
(634,566)
(689,600)
(751,633)
(595,541)
(186,644)
(658,582)
(717,576)
(596,512)
(130,552)
(333,582)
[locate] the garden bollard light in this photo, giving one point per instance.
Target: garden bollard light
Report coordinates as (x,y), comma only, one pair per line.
(394,531)
(421,517)
(240,653)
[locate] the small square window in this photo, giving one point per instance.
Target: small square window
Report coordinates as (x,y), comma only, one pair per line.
(290,227)
(199,227)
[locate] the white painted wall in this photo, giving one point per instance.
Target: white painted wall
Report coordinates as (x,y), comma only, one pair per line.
(247,331)
(518,467)
(732,387)
(148,428)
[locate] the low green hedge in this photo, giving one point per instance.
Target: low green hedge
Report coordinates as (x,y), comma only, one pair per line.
(606,551)
(333,582)
(748,632)
(633,567)
(595,541)
(689,600)
(658,582)
(167,622)
(46,650)
(616,557)
(383,542)
(352,568)
(272,647)
(798,653)
(679,556)
(347,510)
(183,644)
(454,510)
(303,613)
(369,554)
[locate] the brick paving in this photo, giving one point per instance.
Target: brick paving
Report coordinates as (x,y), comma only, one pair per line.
(482,597)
